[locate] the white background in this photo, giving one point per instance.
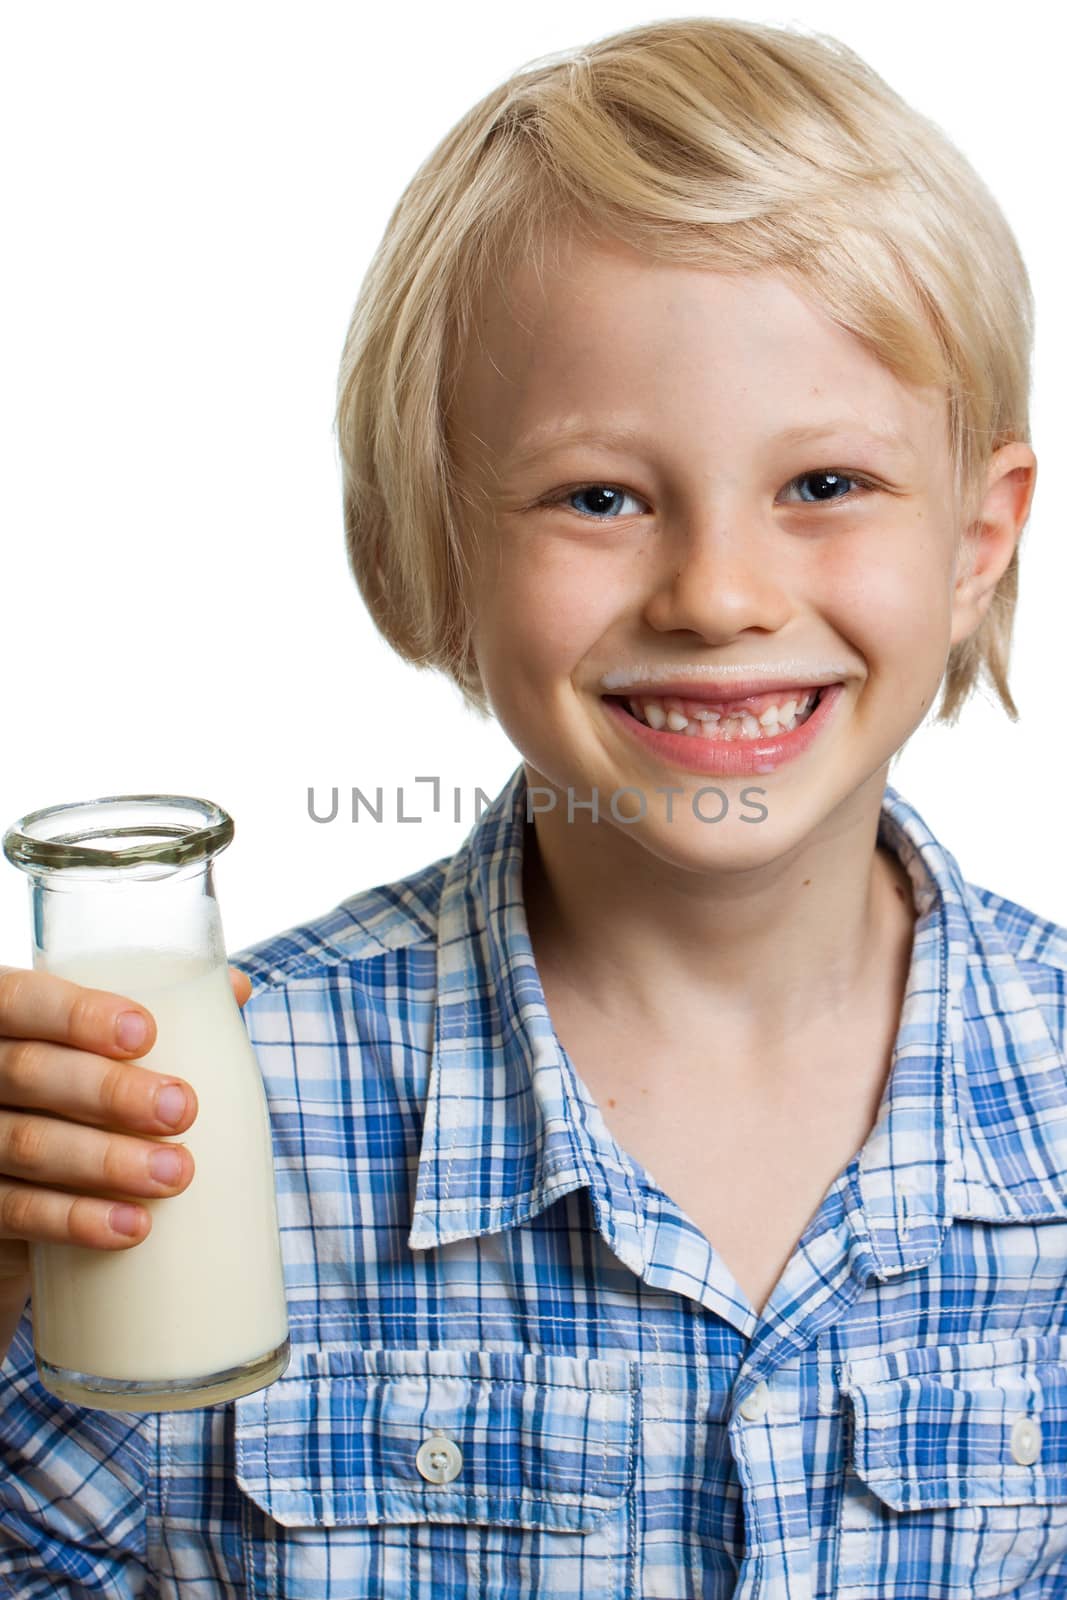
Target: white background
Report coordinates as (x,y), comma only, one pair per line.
(191,196)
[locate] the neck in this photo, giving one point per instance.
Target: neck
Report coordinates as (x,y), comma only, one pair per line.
(765,954)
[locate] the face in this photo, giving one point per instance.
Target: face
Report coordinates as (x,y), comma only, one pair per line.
(702,540)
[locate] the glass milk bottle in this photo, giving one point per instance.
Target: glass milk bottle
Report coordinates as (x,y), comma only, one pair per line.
(122,899)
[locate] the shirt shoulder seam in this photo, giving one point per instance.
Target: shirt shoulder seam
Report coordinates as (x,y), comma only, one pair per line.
(1032,938)
(367,926)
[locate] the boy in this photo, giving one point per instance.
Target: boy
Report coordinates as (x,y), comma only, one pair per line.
(672,1181)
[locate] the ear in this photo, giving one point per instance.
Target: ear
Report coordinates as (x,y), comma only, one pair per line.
(986,546)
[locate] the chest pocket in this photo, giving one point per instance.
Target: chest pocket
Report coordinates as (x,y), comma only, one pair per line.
(439,1473)
(959,1455)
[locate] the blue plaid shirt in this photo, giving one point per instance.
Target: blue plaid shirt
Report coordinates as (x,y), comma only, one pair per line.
(520,1372)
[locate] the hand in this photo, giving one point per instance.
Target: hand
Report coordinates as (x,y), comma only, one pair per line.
(63,1169)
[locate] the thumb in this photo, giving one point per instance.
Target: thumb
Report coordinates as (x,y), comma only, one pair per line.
(242,984)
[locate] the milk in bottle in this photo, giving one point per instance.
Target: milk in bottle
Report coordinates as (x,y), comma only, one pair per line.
(122,900)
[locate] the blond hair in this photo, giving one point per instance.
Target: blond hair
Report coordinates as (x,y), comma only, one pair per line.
(711,141)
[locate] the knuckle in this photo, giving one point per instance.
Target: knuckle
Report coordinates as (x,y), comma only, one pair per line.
(84,1223)
(83,1013)
(115,1092)
(115,1166)
(17,1208)
(23,1061)
(25,1142)
(12,989)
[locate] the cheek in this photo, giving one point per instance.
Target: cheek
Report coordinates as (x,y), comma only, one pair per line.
(891,593)
(543,613)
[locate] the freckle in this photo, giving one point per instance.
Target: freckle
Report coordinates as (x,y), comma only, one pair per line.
(644,1091)
(806,883)
(611,1103)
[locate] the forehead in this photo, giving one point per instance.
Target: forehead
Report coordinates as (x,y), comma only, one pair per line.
(605,335)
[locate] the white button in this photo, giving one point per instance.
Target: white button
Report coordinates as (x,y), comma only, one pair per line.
(1026,1441)
(439,1458)
(754,1405)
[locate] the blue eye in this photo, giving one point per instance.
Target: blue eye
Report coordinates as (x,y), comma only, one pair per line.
(606,497)
(599,492)
(831,476)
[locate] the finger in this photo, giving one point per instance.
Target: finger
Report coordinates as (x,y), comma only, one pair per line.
(49,1152)
(80,1086)
(43,1216)
(39,1005)
(242,984)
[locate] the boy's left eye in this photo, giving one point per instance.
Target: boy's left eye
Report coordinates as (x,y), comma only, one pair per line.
(607,513)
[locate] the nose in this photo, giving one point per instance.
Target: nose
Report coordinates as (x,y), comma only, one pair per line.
(717,581)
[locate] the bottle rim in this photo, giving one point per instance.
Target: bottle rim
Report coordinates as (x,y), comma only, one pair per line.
(171,829)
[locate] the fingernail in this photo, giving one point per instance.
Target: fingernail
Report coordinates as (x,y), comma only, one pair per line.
(131,1030)
(165,1166)
(170,1104)
(125,1219)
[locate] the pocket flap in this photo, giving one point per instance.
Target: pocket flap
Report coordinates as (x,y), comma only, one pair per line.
(952,1425)
(544,1441)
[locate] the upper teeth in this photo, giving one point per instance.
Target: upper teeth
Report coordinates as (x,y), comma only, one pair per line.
(711,724)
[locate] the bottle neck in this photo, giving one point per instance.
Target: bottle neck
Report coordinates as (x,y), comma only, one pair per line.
(169,910)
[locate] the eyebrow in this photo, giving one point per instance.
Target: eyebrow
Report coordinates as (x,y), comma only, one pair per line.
(551,436)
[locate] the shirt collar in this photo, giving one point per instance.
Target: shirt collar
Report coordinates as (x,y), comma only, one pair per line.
(508,1128)
(998,1071)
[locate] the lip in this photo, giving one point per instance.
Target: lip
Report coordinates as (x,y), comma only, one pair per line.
(730,758)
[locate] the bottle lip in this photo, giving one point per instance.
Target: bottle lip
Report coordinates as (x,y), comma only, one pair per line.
(166,828)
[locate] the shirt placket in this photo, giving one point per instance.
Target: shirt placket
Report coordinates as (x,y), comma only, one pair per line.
(766,1439)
